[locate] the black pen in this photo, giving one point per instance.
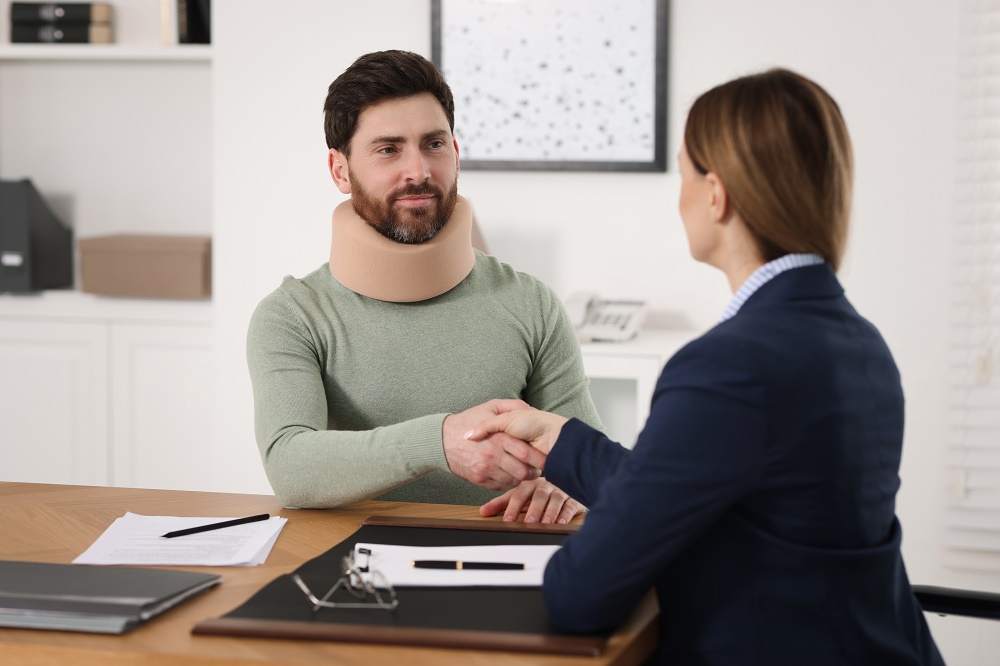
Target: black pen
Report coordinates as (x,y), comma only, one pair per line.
(457,564)
(217,526)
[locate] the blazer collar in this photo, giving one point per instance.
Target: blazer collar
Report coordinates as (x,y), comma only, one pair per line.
(808,282)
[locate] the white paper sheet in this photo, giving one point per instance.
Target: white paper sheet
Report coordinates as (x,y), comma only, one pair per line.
(395,563)
(138,540)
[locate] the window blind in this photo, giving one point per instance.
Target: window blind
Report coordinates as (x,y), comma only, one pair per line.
(972,516)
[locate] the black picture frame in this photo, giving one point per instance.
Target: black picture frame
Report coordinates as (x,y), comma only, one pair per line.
(561,85)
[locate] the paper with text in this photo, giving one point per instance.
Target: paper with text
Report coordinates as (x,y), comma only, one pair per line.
(138,540)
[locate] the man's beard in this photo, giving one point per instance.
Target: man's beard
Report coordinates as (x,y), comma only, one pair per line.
(410,225)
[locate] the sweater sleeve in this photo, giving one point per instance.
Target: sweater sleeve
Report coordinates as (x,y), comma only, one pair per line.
(308,465)
(557,382)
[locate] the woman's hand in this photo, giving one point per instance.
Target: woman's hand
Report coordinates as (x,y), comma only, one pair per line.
(538,428)
(539,500)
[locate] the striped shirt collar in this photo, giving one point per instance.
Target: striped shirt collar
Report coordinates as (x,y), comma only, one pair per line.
(765,274)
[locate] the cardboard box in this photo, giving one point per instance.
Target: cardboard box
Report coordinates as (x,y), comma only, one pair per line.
(146,266)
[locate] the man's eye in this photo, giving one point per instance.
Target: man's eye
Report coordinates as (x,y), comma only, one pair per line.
(386,150)
(435,144)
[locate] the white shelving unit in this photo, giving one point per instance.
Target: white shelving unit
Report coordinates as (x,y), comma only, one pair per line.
(117,138)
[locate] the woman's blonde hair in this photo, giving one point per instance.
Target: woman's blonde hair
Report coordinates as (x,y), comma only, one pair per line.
(779,144)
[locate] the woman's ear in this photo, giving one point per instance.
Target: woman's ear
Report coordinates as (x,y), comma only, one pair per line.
(718,198)
(339,170)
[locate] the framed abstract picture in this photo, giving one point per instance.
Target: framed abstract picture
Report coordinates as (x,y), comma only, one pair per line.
(552,85)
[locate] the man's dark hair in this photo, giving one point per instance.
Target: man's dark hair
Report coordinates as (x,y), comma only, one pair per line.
(374,78)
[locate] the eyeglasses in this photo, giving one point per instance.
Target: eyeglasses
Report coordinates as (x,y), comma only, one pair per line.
(375,592)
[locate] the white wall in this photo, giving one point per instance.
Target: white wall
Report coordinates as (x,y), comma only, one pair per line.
(891,64)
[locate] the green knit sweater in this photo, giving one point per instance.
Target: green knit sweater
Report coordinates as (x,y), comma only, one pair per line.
(350,392)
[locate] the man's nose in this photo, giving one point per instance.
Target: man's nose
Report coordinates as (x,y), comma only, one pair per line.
(415,167)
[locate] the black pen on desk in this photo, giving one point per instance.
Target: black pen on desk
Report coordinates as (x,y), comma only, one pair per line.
(217,526)
(459,565)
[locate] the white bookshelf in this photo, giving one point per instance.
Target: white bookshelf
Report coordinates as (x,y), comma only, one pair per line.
(118,139)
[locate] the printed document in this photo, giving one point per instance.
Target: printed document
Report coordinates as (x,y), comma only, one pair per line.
(138,540)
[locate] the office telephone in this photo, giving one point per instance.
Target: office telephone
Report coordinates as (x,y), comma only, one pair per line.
(599,320)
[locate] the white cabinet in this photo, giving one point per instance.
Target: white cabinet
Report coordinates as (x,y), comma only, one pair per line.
(161,397)
(53,402)
(105,391)
(623,376)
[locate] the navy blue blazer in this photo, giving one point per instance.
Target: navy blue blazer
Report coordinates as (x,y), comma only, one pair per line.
(759,500)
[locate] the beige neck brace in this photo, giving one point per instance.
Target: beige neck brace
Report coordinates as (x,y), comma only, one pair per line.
(368,263)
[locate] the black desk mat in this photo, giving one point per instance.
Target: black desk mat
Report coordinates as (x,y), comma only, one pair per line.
(467,617)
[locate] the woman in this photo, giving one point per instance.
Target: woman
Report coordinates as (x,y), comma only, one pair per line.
(759,499)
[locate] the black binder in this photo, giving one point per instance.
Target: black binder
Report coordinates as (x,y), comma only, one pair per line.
(484,618)
(79,597)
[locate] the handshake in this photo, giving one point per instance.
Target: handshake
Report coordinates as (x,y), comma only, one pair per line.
(503,444)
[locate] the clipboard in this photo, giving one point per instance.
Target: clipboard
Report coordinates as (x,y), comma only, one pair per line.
(509,619)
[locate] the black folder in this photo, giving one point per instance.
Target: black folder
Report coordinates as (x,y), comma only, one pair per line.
(79,597)
(484,618)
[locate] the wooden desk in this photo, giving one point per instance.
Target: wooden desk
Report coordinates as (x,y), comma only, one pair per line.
(50,523)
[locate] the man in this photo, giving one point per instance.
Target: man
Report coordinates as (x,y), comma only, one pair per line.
(368,372)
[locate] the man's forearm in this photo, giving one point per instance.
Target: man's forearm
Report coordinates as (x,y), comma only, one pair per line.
(320,469)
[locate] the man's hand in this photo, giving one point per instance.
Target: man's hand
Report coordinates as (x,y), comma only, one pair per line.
(538,428)
(495,461)
(540,501)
